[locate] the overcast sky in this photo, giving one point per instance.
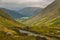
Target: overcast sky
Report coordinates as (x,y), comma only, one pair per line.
(14,4)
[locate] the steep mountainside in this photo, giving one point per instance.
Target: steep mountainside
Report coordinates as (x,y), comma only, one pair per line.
(8,29)
(50,12)
(6,20)
(47,22)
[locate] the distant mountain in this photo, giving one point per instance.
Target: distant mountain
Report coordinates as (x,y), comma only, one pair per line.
(12,13)
(22,14)
(47,14)
(25,12)
(30,11)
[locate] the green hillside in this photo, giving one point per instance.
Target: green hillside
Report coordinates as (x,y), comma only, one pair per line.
(6,20)
(48,13)
(47,22)
(8,29)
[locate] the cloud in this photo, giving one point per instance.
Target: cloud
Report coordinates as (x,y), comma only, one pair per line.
(14,4)
(20,1)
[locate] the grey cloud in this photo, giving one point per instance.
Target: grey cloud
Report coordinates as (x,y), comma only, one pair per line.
(14,6)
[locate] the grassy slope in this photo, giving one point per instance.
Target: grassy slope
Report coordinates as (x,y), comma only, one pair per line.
(6,25)
(48,21)
(49,11)
(6,20)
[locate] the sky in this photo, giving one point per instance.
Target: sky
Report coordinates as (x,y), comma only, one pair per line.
(16,4)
